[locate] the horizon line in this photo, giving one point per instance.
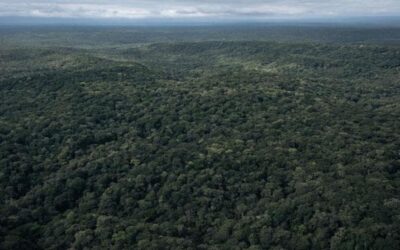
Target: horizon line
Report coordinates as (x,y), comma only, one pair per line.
(392,21)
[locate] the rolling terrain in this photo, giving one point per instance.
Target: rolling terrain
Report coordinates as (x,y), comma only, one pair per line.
(215,143)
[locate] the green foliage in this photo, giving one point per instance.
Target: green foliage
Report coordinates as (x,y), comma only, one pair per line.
(200,145)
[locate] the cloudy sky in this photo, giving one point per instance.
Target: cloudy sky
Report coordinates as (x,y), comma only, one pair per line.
(246,9)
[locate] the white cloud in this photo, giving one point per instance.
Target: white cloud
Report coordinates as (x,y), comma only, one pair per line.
(73,10)
(192,8)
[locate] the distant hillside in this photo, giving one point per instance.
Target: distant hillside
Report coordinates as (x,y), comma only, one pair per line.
(119,36)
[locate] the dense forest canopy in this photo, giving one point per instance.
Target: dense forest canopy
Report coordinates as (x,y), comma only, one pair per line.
(170,138)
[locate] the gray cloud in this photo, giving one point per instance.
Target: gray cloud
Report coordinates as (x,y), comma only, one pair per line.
(191,8)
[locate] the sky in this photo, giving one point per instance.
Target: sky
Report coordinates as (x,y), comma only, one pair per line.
(206,9)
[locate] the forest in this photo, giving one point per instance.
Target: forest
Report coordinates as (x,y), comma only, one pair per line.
(200,138)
